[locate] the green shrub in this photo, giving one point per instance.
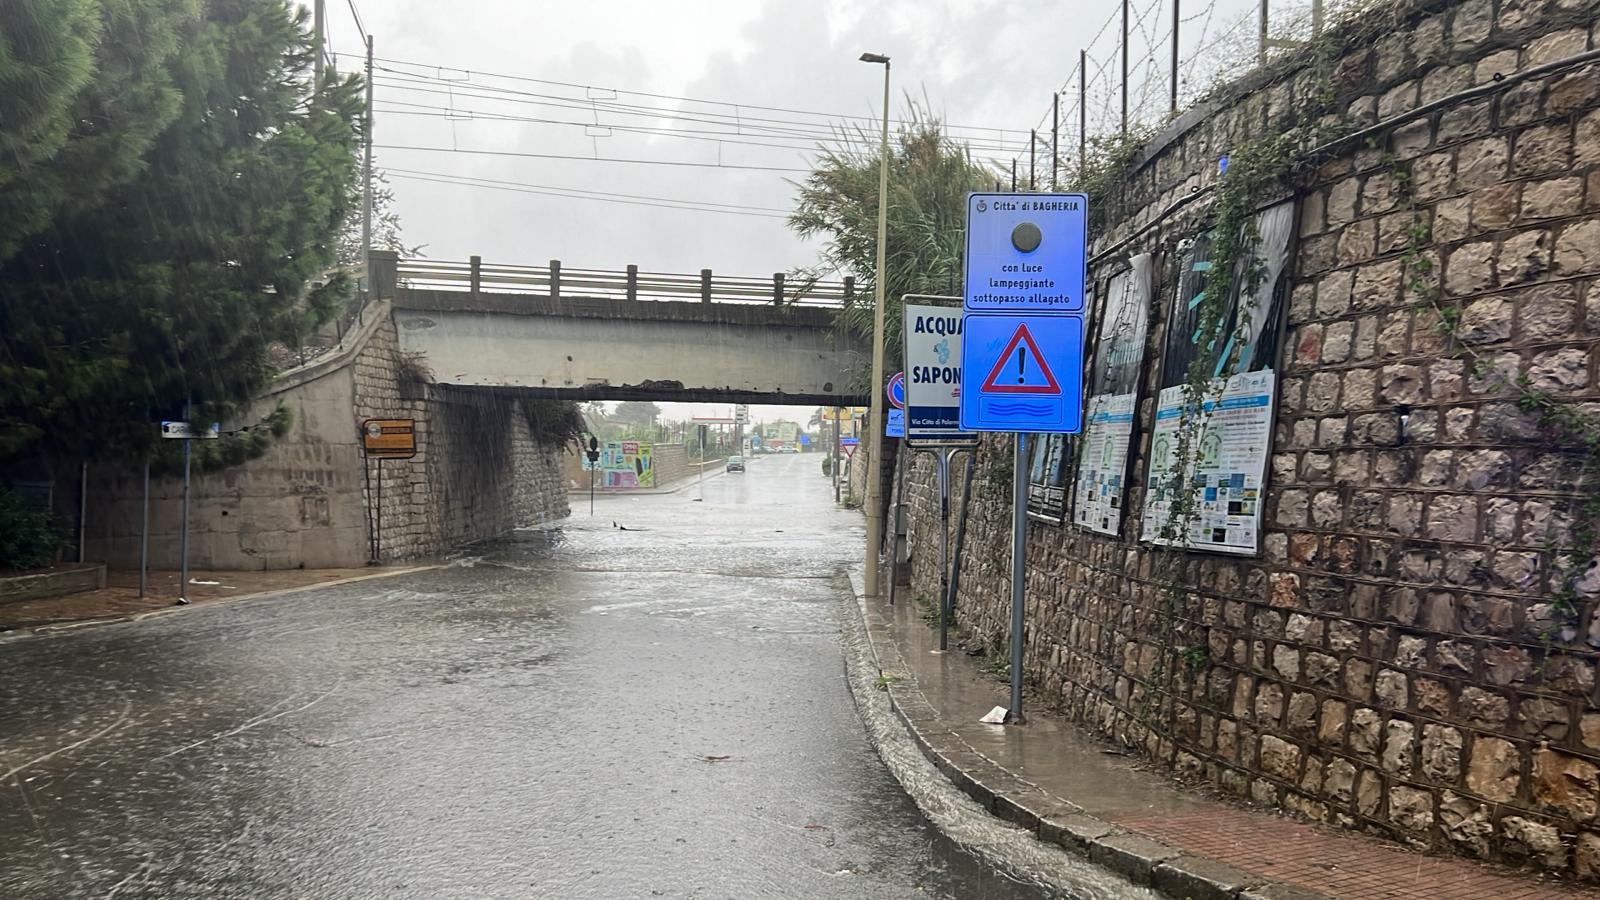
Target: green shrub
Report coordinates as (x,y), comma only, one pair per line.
(28,539)
(827,465)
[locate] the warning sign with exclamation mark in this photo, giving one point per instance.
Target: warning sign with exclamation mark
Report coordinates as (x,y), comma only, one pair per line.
(1034,383)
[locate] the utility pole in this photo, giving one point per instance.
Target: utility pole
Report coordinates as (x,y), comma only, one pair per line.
(319,18)
(875,433)
(366,175)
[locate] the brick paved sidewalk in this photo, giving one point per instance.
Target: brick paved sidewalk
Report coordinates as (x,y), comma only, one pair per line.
(120,597)
(1137,821)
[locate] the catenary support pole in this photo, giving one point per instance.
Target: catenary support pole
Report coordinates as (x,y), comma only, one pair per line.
(1019,541)
(1083,110)
(1033,159)
(1055,141)
(1172,104)
(366,175)
(319,18)
(1124,67)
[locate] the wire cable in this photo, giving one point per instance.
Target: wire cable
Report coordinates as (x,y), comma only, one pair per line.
(606,159)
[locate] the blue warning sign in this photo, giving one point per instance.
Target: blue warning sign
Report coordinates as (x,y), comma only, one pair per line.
(1022,373)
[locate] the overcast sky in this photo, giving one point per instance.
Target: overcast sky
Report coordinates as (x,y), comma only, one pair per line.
(984,64)
(457,78)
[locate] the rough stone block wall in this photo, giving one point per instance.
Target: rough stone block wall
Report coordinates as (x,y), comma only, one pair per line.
(478,471)
(1388,662)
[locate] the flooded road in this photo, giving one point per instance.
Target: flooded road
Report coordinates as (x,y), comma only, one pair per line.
(648,702)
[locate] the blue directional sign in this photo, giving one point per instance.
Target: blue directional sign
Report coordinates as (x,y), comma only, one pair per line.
(1022,373)
(1026,253)
(894,425)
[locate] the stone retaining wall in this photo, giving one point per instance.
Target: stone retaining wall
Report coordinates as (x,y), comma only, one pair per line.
(1387,663)
(307,502)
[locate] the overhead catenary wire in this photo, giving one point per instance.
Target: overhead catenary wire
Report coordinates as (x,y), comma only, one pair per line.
(605,159)
(575,194)
(523,184)
(737,121)
(722,137)
(843,117)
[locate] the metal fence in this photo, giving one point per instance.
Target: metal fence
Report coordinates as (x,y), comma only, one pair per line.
(556,281)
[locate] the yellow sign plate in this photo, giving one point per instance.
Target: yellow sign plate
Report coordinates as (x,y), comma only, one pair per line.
(389,438)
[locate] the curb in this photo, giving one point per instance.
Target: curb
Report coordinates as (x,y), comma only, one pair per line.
(1053,821)
(964,818)
(57,628)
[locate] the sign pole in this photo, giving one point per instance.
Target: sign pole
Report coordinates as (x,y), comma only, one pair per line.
(144,533)
(942,463)
(961,532)
(837,437)
(591,490)
(183,539)
(1019,538)
(378,532)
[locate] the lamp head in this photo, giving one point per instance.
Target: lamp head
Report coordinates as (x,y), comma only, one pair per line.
(874,58)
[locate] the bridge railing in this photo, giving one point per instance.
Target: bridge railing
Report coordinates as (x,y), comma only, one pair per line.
(558,281)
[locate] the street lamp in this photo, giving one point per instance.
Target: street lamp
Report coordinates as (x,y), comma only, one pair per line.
(875,390)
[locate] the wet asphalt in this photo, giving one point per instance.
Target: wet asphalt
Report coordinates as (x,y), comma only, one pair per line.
(648,702)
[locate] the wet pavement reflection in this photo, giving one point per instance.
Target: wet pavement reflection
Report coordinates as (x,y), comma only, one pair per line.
(648,702)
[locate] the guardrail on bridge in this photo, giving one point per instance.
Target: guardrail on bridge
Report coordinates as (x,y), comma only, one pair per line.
(555,281)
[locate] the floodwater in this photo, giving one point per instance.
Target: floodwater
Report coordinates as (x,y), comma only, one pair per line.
(647,702)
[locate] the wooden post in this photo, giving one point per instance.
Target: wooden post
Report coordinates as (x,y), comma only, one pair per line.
(555,279)
(633,282)
(705,285)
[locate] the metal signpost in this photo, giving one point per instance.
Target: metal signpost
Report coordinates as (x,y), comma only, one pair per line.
(383,439)
(186,432)
(1022,343)
(593,455)
(932,341)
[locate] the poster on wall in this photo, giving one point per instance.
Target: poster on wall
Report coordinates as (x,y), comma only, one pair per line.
(1225,459)
(1113,397)
(628,464)
(1217,454)
(1049,461)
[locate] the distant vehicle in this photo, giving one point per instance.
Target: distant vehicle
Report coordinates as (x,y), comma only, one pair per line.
(791,448)
(735,464)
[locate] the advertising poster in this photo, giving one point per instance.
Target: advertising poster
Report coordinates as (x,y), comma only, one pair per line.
(1230,435)
(1113,398)
(1226,468)
(932,342)
(628,464)
(1049,461)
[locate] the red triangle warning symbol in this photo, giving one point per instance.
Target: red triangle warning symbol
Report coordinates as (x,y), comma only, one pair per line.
(1021,368)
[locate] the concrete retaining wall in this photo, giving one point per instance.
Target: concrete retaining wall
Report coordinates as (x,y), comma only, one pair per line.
(1386,663)
(305,503)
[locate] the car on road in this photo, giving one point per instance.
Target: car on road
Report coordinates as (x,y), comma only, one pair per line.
(735,464)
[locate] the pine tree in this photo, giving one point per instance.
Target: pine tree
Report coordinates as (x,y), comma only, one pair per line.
(175,282)
(85,87)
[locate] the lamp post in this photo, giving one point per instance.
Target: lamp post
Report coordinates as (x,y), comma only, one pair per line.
(875,390)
